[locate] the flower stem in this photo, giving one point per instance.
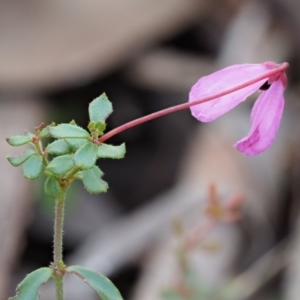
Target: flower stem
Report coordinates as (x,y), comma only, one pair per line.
(172,109)
(58,265)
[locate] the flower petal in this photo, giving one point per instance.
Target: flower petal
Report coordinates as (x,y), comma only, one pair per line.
(220,81)
(266,117)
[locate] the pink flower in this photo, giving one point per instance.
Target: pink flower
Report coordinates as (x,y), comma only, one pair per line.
(267,110)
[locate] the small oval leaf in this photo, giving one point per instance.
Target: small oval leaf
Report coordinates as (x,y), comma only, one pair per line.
(52,187)
(75,144)
(111,151)
(86,156)
(29,288)
(18,160)
(44,133)
(33,167)
(100,108)
(58,147)
(61,165)
(102,285)
(92,181)
(19,140)
(63,131)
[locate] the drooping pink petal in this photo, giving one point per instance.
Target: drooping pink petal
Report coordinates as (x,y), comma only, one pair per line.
(221,81)
(266,117)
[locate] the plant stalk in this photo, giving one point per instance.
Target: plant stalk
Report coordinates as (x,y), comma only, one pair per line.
(59,287)
(58,264)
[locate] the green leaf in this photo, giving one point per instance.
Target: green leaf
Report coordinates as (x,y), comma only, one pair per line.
(110,151)
(92,181)
(18,160)
(33,167)
(75,144)
(102,285)
(59,147)
(52,187)
(19,140)
(61,165)
(78,175)
(29,288)
(86,156)
(100,108)
(44,133)
(63,131)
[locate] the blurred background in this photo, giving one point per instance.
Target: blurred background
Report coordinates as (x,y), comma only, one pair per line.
(56,56)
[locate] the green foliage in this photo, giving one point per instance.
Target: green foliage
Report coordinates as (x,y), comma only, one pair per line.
(92,181)
(19,140)
(96,128)
(17,161)
(110,151)
(100,108)
(102,285)
(75,144)
(33,167)
(29,288)
(75,149)
(78,175)
(44,133)
(61,165)
(64,131)
(52,187)
(59,147)
(86,156)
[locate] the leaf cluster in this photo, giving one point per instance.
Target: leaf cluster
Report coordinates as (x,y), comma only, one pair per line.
(29,288)
(71,154)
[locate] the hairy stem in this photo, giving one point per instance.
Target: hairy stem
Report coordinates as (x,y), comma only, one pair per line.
(58,264)
(59,287)
(172,109)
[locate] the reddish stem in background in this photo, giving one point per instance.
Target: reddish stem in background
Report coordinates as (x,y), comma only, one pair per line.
(199,234)
(172,109)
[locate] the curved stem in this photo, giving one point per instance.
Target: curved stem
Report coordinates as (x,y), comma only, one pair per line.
(172,109)
(58,245)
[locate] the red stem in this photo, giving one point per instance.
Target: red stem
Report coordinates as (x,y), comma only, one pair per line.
(172,109)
